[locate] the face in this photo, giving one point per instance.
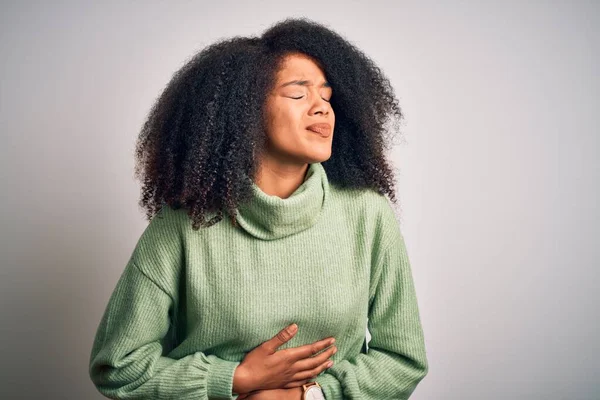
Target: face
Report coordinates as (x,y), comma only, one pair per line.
(299,117)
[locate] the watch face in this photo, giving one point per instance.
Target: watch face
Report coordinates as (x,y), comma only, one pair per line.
(314,393)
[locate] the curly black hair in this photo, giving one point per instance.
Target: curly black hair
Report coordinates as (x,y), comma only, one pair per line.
(197,147)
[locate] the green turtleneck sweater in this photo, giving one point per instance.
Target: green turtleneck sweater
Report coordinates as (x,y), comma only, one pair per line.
(190,304)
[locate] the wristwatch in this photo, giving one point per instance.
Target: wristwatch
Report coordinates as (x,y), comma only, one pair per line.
(312,391)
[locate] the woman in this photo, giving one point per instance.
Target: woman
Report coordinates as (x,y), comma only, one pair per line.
(264,180)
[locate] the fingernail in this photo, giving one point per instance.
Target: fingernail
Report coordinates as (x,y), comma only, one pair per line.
(332,341)
(294,327)
(329,364)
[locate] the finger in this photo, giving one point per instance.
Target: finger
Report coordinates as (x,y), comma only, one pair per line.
(309,350)
(282,337)
(294,384)
(313,362)
(310,373)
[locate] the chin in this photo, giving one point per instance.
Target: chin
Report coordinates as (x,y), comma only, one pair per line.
(317,158)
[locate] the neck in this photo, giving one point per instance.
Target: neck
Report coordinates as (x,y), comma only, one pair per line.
(279,179)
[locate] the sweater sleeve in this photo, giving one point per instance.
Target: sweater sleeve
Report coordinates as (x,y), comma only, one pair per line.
(396,359)
(128,358)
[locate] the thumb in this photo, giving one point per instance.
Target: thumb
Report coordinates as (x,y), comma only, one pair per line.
(282,337)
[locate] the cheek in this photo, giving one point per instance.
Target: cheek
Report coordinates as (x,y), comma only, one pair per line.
(285,125)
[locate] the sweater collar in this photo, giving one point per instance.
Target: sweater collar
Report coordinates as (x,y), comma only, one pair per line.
(271,217)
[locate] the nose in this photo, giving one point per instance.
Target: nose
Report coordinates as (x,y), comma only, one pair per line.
(320,106)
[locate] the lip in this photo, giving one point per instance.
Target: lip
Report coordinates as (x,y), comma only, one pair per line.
(322,128)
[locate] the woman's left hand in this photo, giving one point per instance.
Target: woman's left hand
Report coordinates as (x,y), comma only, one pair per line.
(274,394)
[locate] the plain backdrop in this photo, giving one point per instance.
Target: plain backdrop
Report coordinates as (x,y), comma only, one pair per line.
(498,177)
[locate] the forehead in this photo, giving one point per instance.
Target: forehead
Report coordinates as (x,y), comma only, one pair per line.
(298,65)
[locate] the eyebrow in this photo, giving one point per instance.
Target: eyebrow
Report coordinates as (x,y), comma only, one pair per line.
(304,83)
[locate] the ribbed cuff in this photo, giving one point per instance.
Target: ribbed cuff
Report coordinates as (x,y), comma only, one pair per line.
(332,388)
(219,384)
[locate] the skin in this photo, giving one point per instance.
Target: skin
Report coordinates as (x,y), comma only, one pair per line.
(289,110)
(268,369)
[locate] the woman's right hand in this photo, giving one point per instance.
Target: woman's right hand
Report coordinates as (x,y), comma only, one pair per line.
(265,367)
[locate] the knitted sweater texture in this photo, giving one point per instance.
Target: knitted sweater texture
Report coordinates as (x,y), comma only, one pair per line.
(189,305)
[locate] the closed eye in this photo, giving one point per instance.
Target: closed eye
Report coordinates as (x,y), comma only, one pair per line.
(298,98)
